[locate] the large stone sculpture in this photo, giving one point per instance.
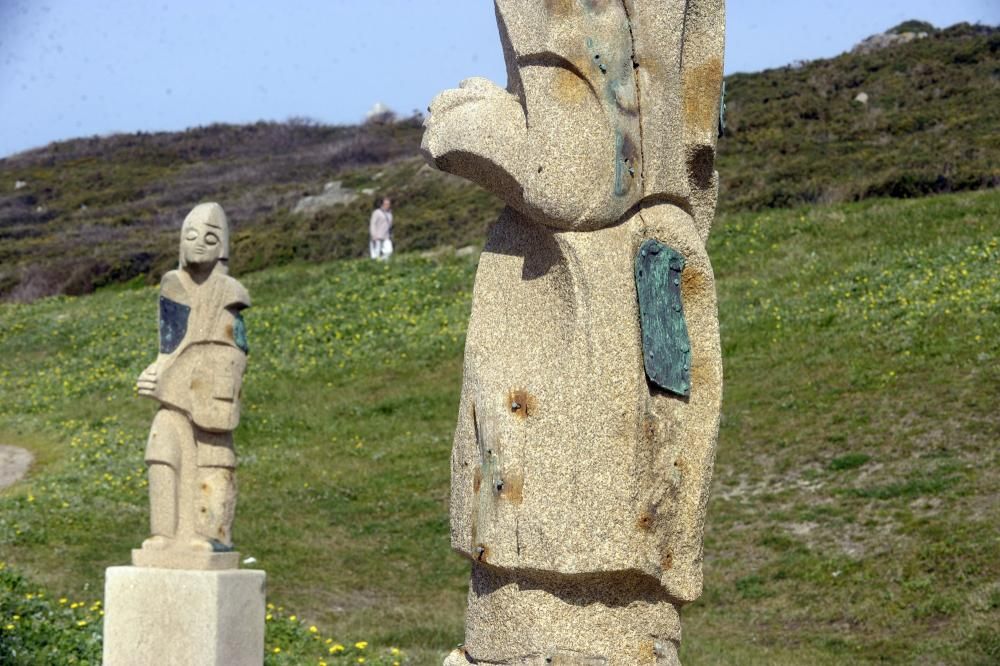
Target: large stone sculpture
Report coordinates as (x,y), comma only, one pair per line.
(197,379)
(593,377)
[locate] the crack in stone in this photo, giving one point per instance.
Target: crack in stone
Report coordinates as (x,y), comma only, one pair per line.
(638,97)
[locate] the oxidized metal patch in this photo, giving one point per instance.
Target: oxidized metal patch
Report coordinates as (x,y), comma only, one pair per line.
(666,347)
(240,333)
(173,324)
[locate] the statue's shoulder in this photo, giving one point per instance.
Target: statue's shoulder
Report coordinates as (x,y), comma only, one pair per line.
(172,287)
(236,295)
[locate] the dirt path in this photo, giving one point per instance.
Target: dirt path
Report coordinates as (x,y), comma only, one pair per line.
(14,464)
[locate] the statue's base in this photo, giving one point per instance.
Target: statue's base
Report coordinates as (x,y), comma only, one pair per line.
(614,618)
(174,617)
(176,558)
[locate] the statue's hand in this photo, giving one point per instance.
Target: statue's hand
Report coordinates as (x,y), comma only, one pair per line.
(146,384)
(477,131)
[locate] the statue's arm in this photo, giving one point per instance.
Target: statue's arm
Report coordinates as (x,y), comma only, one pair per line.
(170,288)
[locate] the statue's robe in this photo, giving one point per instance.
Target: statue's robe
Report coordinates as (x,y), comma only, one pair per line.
(203,357)
(566,458)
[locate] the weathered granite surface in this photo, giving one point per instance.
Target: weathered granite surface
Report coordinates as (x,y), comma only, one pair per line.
(579,486)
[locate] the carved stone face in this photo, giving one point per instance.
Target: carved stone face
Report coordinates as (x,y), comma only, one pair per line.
(204,236)
(562,142)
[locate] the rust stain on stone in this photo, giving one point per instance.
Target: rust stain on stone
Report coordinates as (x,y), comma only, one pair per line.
(477,479)
(649,427)
(699,373)
(229,332)
(513,488)
(559,7)
(568,87)
(521,403)
(646,520)
(667,560)
(692,283)
(647,652)
(482,552)
(701,91)
(701,166)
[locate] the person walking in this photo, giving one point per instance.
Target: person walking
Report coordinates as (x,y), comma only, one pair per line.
(380,230)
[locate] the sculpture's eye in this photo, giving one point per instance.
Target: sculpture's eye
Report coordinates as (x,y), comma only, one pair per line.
(192,235)
(211,239)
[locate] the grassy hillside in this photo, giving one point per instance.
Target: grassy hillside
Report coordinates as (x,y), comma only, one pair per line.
(101,211)
(796,135)
(853,516)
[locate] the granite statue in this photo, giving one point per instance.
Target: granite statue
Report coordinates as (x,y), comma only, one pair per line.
(197,380)
(592,387)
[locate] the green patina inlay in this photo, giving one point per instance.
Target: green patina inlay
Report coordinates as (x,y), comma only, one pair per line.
(666,347)
(618,79)
(620,165)
(240,333)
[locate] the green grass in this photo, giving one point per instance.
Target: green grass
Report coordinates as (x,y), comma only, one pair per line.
(849,461)
(853,516)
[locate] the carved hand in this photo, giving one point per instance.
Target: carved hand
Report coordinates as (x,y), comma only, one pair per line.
(478,131)
(567,168)
(146,384)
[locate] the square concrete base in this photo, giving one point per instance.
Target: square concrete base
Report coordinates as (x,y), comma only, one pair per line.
(176,617)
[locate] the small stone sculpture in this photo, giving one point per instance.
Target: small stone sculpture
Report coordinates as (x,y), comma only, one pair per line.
(197,380)
(593,377)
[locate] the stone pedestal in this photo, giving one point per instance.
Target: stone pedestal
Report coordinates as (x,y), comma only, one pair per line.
(176,617)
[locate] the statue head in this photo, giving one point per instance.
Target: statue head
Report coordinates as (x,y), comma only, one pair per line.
(596,113)
(205,238)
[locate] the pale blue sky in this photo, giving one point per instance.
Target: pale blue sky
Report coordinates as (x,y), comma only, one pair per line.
(76,68)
